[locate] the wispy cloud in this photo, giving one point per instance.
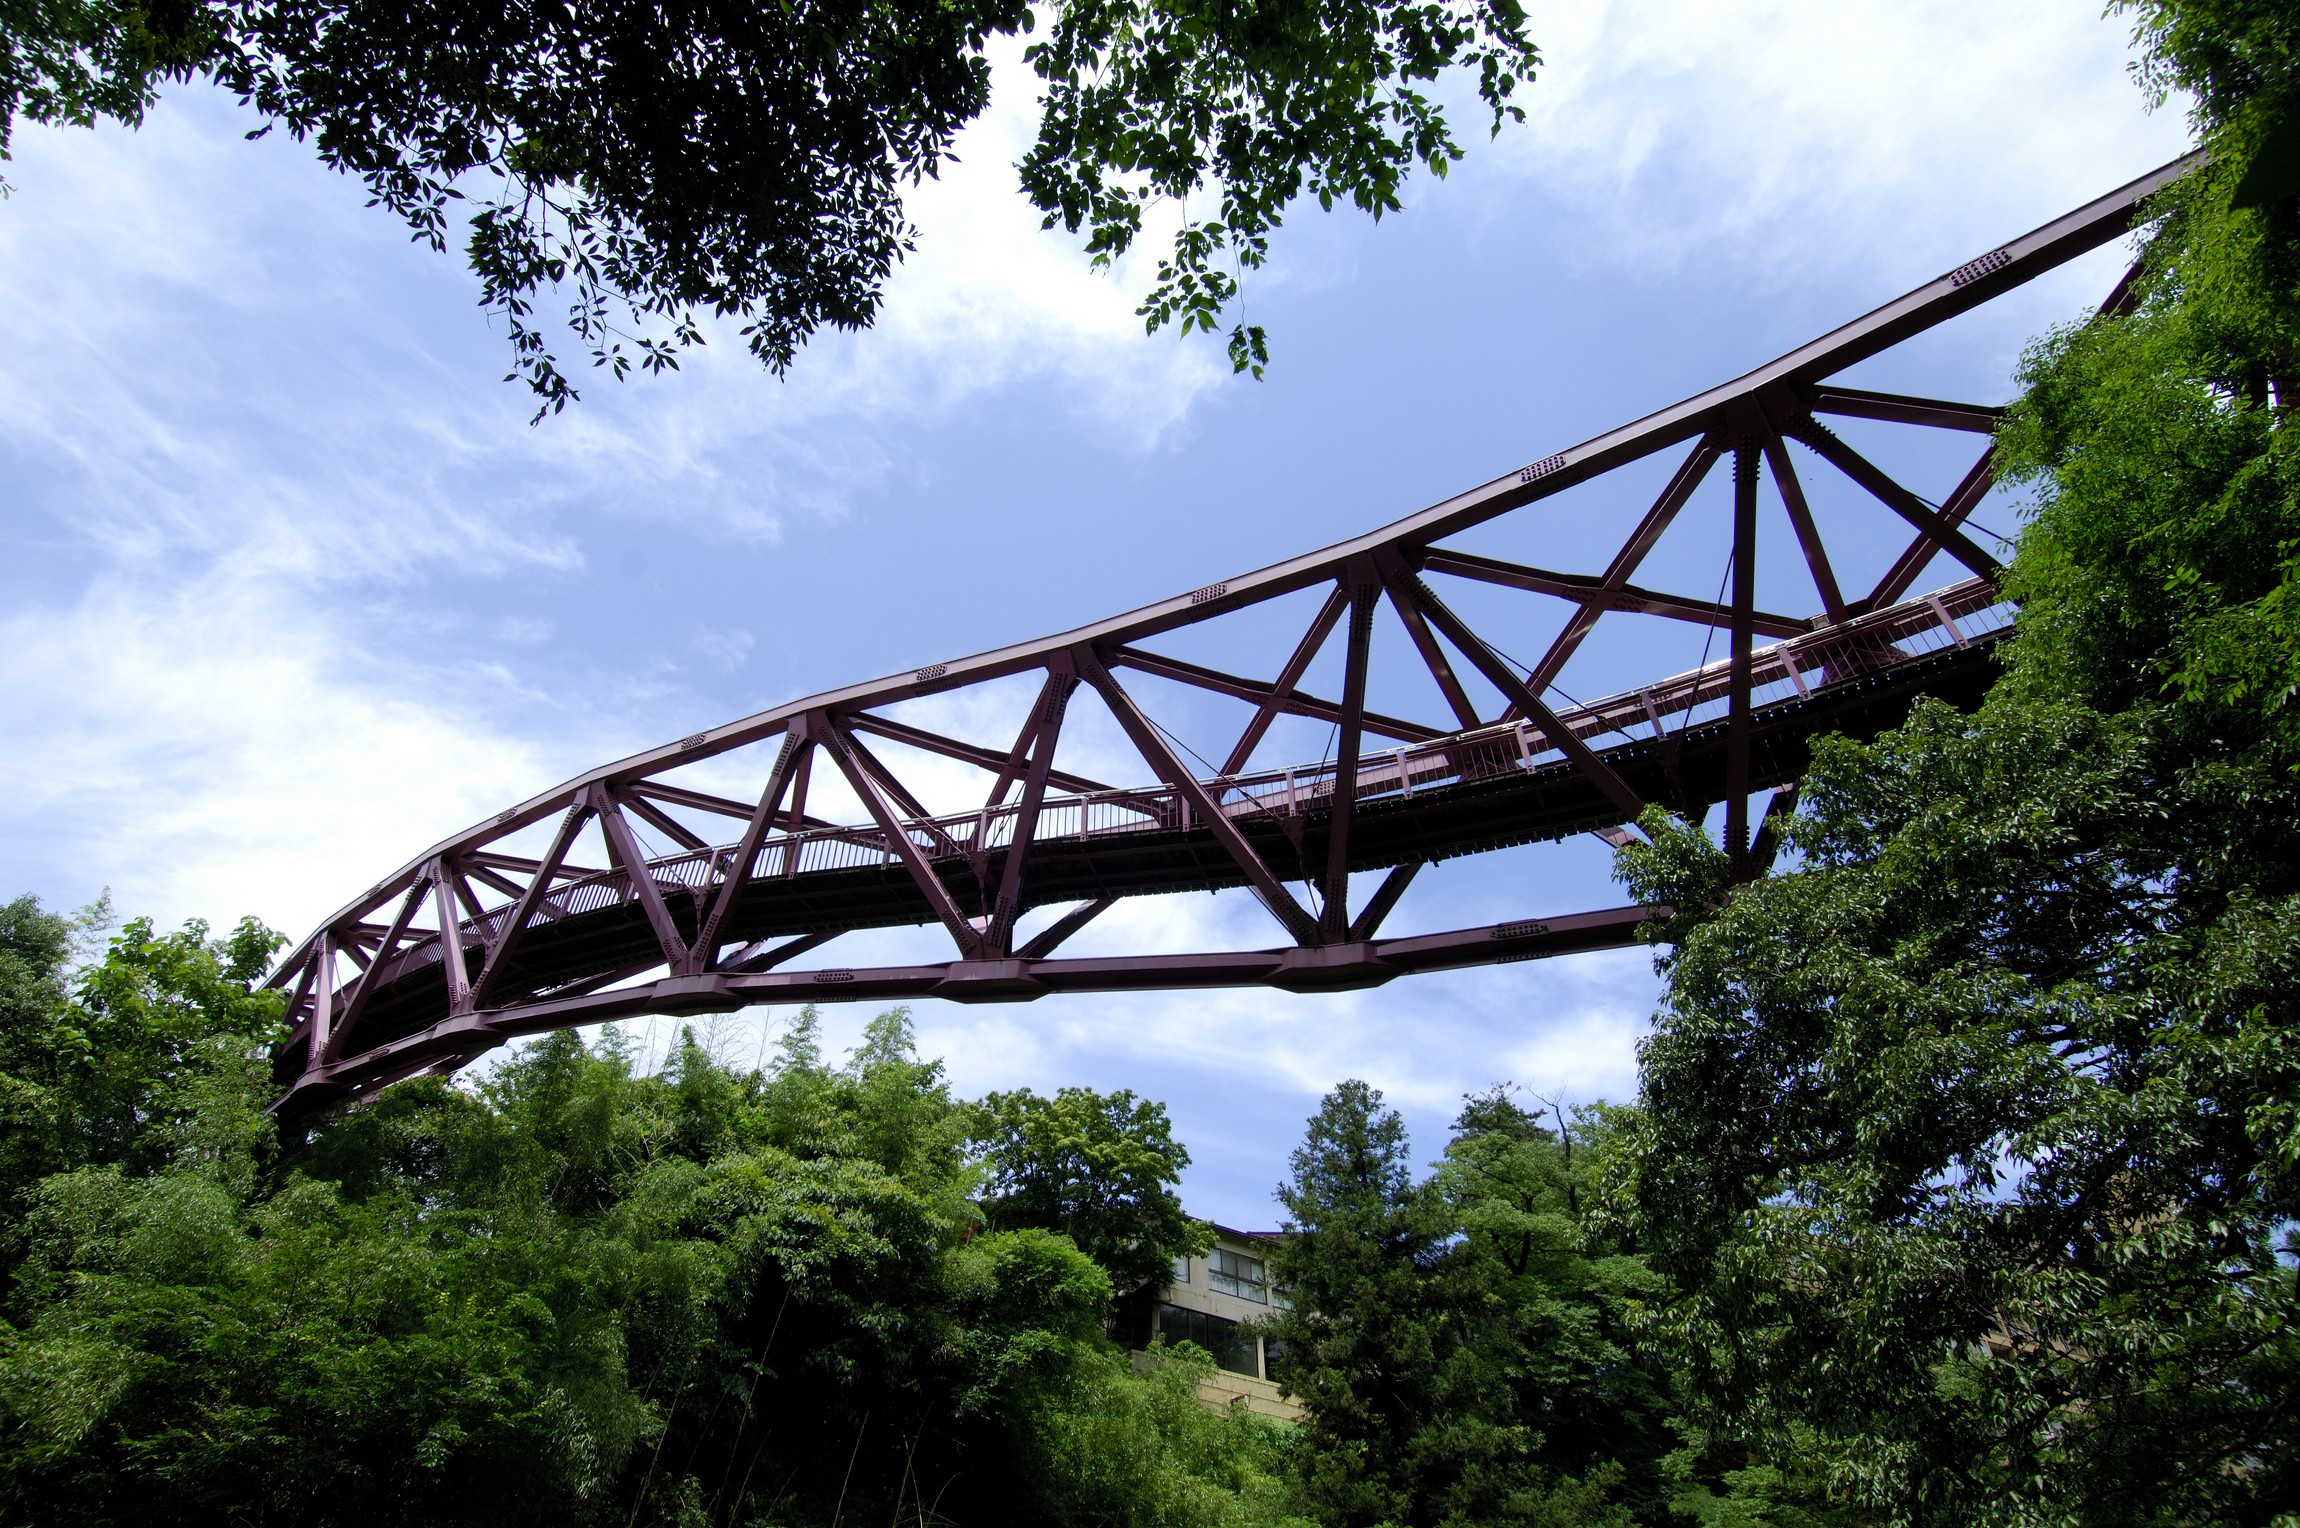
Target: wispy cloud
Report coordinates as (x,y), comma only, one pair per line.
(1786,134)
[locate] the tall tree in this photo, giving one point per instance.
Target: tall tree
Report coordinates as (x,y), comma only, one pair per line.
(1099,1168)
(1460,1356)
(749,161)
(1969,1146)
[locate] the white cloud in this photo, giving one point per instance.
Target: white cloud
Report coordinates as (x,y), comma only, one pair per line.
(209,751)
(1788,133)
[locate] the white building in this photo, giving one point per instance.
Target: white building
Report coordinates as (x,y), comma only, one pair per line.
(1210,1300)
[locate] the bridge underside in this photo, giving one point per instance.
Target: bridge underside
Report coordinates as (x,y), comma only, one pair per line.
(475,942)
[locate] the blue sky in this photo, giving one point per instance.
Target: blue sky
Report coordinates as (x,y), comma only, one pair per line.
(291,589)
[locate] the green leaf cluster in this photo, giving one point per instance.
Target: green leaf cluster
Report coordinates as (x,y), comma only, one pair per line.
(750,160)
(1250,106)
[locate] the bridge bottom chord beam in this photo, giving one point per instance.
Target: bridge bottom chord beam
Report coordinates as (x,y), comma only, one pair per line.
(457,1041)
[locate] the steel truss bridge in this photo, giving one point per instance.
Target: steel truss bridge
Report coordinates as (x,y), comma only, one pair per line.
(471,944)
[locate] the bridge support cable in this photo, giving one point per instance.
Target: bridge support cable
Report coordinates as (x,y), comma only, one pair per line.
(527,940)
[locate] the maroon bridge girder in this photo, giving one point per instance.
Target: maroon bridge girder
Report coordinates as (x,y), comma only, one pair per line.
(471,944)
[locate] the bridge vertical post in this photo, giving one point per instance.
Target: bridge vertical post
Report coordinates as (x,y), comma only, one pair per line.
(1334,916)
(322,995)
(450,938)
(1053,703)
(1745,462)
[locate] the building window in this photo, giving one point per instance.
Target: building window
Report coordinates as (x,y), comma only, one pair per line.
(1234,1273)
(1232,1349)
(1181,1270)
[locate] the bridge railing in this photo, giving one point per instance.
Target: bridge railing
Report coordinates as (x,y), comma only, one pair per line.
(1796,667)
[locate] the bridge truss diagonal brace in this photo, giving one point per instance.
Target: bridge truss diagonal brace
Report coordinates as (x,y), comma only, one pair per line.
(624,849)
(1504,678)
(858,754)
(1305,651)
(1688,476)
(1049,939)
(1872,478)
(1385,897)
(450,937)
(762,818)
(537,892)
(357,1004)
(1393,573)
(1592,593)
(831,735)
(1800,513)
(1151,745)
(1955,510)
(314,985)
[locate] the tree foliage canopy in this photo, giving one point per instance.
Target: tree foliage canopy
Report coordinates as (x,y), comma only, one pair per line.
(749,161)
(1969,1146)
(1458,1347)
(1100,1169)
(577,1295)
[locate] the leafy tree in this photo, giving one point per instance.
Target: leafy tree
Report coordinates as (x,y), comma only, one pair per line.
(749,161)
(116,1071)
(1460,1357)
(1576,1406)
(572,1295)
(1949,1137)
(1100,1169)
(1969,1146)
